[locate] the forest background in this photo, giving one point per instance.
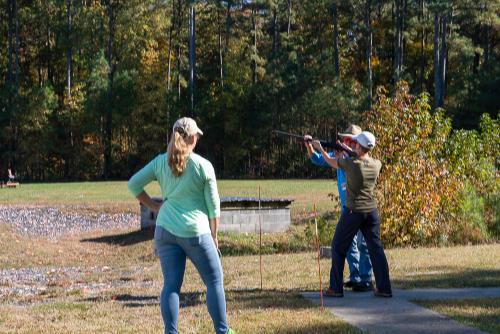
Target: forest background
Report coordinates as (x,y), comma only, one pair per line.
(90,89)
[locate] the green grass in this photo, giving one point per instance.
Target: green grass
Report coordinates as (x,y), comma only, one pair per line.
(115,196)
(277,309)
(133,307)
(482,313)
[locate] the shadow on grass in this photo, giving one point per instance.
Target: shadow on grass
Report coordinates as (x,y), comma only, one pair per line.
(124,239)
(321,329)
(261,299)
(461,279)
(244,299)
(186,299)
(481,313)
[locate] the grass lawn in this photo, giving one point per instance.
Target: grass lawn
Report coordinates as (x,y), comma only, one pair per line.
(483,313)
(115,196)
(119,280)
(128,299)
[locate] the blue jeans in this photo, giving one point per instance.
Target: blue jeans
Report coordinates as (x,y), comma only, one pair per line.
(201,250)
(358,259)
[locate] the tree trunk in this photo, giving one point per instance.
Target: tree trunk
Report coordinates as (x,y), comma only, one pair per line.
(477,56)
(442,63)
(10,34)
(18,68)
(221,52)
(335,40)
(69,64)
(487,47)
(422,46)
(228,25)
(192,56)
(179,33)
(289,2)
(402,36)
(396,40)
(398,53)
(369,45)
(169,66)
(109,113)
(437,85)
(254,61)
(50,72)
(275,33)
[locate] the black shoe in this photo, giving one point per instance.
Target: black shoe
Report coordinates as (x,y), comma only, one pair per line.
(362,287)
(349,284)
(378,293)
(331,293)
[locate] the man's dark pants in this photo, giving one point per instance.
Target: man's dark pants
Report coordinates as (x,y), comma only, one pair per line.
(369,224)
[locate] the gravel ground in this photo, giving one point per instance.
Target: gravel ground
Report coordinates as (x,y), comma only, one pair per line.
(29,282)
(55,221)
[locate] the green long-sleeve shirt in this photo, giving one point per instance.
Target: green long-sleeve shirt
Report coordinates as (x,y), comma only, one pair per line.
(189,200)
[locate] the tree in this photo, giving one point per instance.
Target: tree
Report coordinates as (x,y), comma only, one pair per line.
(109,111)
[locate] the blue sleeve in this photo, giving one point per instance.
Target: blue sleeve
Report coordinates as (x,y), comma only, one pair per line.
(341,186)
(318,160)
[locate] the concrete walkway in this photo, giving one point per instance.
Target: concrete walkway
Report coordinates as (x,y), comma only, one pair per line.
(399,315)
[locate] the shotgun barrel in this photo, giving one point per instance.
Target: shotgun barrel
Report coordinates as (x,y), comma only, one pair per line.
(326,144)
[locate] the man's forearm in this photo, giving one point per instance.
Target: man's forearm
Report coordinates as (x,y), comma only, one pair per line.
(310,150)
(328,159)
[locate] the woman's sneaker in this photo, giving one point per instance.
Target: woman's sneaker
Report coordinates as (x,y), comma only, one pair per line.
(230,331)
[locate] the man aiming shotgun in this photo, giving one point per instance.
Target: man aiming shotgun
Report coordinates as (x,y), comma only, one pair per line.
(360,267)
(360,213)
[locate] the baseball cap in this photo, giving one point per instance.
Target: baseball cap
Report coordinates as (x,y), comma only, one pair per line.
(365,139)
(188,125)
(351,131)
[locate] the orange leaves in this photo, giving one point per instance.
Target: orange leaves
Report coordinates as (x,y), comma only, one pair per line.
(416,192)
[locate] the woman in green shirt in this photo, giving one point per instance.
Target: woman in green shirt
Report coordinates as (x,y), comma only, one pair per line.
(187,222)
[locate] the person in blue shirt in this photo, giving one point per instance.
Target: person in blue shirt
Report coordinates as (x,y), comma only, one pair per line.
(360,267)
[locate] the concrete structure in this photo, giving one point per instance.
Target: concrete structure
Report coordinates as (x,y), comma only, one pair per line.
(242,215)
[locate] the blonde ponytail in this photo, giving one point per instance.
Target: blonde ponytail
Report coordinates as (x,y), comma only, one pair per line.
(178,152)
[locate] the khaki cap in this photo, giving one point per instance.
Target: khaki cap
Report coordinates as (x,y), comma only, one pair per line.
(188,126)
(351,130)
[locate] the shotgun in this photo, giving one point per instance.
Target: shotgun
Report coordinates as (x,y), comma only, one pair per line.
(326,144)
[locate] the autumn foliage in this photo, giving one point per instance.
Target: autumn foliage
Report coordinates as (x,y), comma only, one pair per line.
(420,191)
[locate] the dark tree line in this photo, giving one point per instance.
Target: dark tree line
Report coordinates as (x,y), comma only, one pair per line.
(90,88)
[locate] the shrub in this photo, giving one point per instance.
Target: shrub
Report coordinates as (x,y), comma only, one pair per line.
(416,189)
(473,157)
(292,241)
(436,185)
(470,223)
(326,228)
(492,213)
